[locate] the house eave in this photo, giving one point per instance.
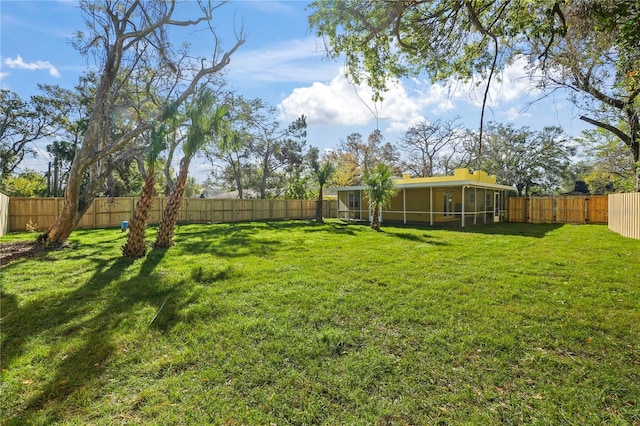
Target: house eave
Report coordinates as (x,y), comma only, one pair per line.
(445,184)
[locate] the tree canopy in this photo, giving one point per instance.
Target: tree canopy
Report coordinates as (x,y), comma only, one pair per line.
(587,46)
(140,72)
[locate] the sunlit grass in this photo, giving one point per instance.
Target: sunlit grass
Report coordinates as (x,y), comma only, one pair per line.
(300,323)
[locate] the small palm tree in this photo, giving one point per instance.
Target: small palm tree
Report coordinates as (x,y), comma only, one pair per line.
(322,173)
(380,190)
(206,123)
(136,245)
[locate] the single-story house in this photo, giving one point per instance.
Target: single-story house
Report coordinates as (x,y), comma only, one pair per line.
(462,199)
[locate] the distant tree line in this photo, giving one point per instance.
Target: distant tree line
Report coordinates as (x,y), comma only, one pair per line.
(101,131)
(268,160)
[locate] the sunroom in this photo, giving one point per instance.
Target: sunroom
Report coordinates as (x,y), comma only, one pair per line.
(462,199)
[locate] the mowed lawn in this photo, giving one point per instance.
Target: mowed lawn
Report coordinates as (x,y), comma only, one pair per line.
(300,323)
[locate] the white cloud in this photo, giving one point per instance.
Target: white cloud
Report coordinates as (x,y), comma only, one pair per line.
(341,103)
(514,113)
(19,63)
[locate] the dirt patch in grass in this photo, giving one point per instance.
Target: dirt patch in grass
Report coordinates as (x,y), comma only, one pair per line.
(15,250)
(18,250)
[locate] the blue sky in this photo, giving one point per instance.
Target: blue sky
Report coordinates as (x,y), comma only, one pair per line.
(283,63)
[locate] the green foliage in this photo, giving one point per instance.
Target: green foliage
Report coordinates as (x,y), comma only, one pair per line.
(299,187)
(380,190)
(300,323)
(206,123)
(611,164)
(444,38)
(22,123)
(532,161)
(589,48)
(192,188)
(354,157)
(323,171)
(26,184)
(158,143)
(265,159)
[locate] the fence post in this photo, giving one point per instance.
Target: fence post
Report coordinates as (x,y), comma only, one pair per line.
(586,210)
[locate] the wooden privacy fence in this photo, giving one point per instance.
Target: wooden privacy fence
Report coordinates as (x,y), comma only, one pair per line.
(624,214)
(110,212)
(558,209)
(4,214)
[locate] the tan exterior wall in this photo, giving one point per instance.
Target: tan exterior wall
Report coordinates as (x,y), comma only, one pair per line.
(110,212)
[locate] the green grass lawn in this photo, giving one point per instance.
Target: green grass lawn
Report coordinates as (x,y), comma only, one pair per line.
(299,323)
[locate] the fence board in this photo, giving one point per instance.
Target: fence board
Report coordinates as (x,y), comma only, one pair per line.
(598,210)
(624,214)
(558,209)
(110,212)
(517,209)
(541,210)
(4,214)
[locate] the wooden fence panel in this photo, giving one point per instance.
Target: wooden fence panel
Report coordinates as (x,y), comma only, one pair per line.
(598,209)
(517,209)
(570,210)
(541,210)
(110,212)
(40,212)
(4,214)
(624,214)
(558,209)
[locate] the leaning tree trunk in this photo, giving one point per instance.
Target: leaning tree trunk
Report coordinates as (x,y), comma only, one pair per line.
(170,213)
(136,245)
(319,207)
(75,205)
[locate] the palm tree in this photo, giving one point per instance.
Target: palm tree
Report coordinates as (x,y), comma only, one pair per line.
(136,245)
(380,190)
(206,123)
(322,173)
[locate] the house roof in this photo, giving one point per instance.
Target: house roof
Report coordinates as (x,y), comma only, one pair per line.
(461,177)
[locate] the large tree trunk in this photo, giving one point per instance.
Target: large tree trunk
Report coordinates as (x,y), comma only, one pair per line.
(75,205)
(136,245)
(265,176)
(170,213)
(319,218)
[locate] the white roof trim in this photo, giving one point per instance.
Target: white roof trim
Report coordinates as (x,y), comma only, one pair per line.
(460,183)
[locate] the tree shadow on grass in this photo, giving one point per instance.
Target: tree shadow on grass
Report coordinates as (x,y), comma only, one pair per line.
(535,230)
(344,228)
(502,228)
(235,240)
(245,238)
(61,319)
(424,238)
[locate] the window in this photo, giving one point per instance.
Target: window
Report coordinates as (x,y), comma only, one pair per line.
(354,201)
(447,201)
